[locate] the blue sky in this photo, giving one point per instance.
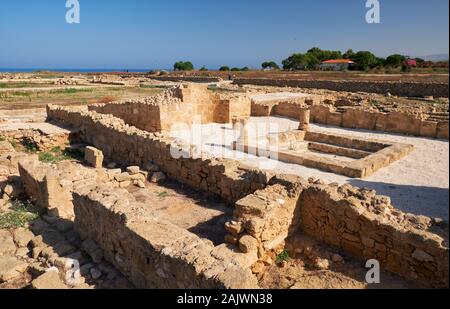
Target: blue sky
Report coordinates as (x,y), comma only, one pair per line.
(136,34)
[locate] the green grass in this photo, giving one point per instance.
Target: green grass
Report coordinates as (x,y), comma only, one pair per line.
(22,85)
(162,195)
(283,256)
(22,93)
(57,155)
(153,86)
(69,91)
(2,138)
(13,143)
(21,214)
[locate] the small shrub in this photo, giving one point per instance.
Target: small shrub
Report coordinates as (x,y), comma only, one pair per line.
(29,146)
(283,256)
(2,138)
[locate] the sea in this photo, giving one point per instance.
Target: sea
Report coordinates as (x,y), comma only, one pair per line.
(30,70)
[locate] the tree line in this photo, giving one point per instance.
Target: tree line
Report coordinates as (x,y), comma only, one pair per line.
(311,60)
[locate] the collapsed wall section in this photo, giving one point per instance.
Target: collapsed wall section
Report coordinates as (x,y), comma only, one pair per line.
(180,161)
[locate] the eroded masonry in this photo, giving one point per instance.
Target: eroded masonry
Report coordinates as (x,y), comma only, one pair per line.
(247,216)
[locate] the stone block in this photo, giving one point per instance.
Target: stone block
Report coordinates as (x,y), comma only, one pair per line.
(93,156)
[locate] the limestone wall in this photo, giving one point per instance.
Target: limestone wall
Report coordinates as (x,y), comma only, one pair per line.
(367,225)
(151,252)
(151,118)
(51,188)
(406,89)
(355,220)
(193,79)
(130,146)
(394,122)
(268,210)
(186,104)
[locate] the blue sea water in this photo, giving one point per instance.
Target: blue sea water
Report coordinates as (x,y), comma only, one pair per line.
(28,70)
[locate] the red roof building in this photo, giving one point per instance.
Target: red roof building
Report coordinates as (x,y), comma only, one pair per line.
(336,65)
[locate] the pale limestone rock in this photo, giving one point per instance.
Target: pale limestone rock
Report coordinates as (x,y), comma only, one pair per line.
(93,156)
(133,170)
(49,280)
(322,264)
(248,243)
(22,237)
(11,268)
(7,245)
(122,177)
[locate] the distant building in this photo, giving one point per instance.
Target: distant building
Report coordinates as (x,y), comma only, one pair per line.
(337,65)
(411,63)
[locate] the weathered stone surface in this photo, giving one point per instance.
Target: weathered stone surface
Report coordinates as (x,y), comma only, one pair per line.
(7,245)
(133,170)
(158,176)
(64,225)
(94,251)
(122,177)
(48,281)
(322,264)
(93,156)
(6,147)
(38,226)
(11,268)
(248,243)
(22,237)
(422,256)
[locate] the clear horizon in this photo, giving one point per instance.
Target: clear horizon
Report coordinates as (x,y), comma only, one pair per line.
(139,34)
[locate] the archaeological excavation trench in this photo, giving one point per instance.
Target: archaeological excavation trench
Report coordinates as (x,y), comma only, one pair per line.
(168,215)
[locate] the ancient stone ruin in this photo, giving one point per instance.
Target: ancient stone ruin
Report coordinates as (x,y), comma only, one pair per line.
(247,217)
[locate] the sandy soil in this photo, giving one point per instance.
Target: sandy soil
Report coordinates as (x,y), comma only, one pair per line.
(186,208)
(418,183)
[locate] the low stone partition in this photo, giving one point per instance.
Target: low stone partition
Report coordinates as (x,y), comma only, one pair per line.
(282,104)
(370,155)
(154,253)
(130,146)
(394,122)
(367,225)
(406,89)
